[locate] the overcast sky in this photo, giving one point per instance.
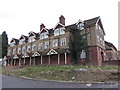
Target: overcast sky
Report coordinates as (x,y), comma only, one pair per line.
(19,17)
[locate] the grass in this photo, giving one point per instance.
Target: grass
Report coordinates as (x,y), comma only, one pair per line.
(65,73)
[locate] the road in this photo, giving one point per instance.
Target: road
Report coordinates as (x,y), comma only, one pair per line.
(15,82)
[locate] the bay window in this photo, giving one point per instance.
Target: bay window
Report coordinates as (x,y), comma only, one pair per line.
(46,44)
(63,41)
(55,43)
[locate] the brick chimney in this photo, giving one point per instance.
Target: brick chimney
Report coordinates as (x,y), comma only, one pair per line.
(42,26)
(62,20)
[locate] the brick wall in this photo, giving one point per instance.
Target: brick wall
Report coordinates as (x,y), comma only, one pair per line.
(113,62)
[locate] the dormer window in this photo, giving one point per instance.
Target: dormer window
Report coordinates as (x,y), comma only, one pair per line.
(31,39)
(44,35)
(21,41)
(12,44)
(80,26)
(59,31)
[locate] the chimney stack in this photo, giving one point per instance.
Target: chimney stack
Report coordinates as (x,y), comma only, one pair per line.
(62,20)
(42,26)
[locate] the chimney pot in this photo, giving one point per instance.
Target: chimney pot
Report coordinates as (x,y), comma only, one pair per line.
(42,26)
(62,20)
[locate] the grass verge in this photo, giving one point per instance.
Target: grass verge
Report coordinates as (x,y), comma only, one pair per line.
(66,72)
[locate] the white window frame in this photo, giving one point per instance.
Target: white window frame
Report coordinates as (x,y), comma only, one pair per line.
(21,41)
(14,50)
(63,41)
(9,51)
(46,44)
(19,50)
(31,39)
(98,39)
(62,30)
(55,43)
(12,44)
(83,54)
(23,49)
(56,32)
(43,35)
(80,26)
(40,45)
(29,48)
(33,47)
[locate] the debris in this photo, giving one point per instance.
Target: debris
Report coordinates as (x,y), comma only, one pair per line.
(81,69)
(73,78)
(88,84)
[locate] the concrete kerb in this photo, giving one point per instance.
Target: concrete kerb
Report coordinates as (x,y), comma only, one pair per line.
(27,78)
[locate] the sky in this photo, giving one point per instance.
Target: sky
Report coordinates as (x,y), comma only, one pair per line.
(19,17)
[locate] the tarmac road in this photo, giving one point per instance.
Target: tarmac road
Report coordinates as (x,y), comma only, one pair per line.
(16,82)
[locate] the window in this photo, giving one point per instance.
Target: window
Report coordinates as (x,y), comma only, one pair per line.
(56,32)
(23,49)
(55,43)
(101,41)
(12,44)
(80,26)
(14,51)
(98,39)
(44,35)
(46,44)
(19,50)
(33,47)
(63,41)
(62,31)
(31,39)
(40,45)
(21,41)
(28,48)
(59,31)
(9,51)
(83,54)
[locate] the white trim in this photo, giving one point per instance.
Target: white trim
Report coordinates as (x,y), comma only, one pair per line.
(15,57)
(65,58)
(30,61)
(24,61)
(31,33)
(58,58)
(25,55)
(41,60)
(35,54)
(34,60)
(49,59)
(52,51)
(79,21)
(57,25)
(19,61)
(43,29)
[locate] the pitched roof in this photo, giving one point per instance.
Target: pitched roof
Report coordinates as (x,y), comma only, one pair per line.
(16,40)
(110,45)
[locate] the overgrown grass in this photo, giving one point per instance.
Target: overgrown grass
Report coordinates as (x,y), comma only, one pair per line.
(66,72)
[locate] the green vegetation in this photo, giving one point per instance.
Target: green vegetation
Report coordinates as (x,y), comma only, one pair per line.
(65,73)
(4,45)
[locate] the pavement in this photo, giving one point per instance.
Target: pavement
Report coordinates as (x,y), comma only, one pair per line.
(24,82)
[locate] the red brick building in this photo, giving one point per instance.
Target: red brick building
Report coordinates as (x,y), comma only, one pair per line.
(57,45)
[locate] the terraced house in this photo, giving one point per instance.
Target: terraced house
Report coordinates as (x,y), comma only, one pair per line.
(56,46)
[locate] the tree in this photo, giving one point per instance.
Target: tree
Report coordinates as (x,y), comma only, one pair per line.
(78,44)
(0,46)
(4,44)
